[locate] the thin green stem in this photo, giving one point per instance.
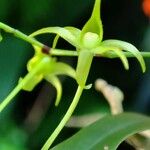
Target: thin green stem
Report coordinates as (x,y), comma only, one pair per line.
(64,120)
(61,52)
(10,97)
(83,69)
(27,79)
(58,52)
(20,35)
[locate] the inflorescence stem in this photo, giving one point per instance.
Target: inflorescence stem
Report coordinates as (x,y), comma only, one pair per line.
(20,35)
(64,120)
(58,52)
(54,52)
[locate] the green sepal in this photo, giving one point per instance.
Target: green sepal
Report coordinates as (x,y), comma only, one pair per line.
(105,50)
(127,47)
(75,31)
(55,41)
(60,68)
(57,84)
(37,71)
(87,87)
(94,24)
(50,67)
(62,32)
(122,58)
(31,84)
(83,66)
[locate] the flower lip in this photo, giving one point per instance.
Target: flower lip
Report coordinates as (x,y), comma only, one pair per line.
(91,40)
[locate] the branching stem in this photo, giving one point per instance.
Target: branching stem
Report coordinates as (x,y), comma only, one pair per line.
(25,80)
(20,35)
(58,52)
(72,53)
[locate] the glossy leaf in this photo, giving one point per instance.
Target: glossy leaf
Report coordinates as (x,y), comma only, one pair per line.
(62,32)
(94,24)
(108,132)
(127,47)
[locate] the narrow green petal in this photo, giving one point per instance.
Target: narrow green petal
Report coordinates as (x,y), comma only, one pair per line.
(62,32)
(83,66)
(55,41)
(105,50)
(122,57)
(36,73)
(75,31)
(94,24)
(62,68)
(57,84)
(127,47)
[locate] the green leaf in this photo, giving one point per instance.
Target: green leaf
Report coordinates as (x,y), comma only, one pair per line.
(94,24)
(62,32)
(107,132)
(57,84)
(83,66)
(127,47)
(75,31)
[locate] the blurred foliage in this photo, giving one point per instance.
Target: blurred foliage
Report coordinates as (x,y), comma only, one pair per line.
(12,136)
(122,20)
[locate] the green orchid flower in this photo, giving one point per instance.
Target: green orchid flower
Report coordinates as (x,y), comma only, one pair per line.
(88,43)
(41,67)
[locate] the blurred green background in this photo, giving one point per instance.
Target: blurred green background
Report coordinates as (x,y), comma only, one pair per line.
(29,120)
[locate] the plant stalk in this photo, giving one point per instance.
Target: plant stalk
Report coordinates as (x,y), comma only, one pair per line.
(58,52)
(20,35)
(65,119)
(20,85)
(72,53)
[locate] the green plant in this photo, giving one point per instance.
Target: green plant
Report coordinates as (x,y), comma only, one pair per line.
(88,43)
